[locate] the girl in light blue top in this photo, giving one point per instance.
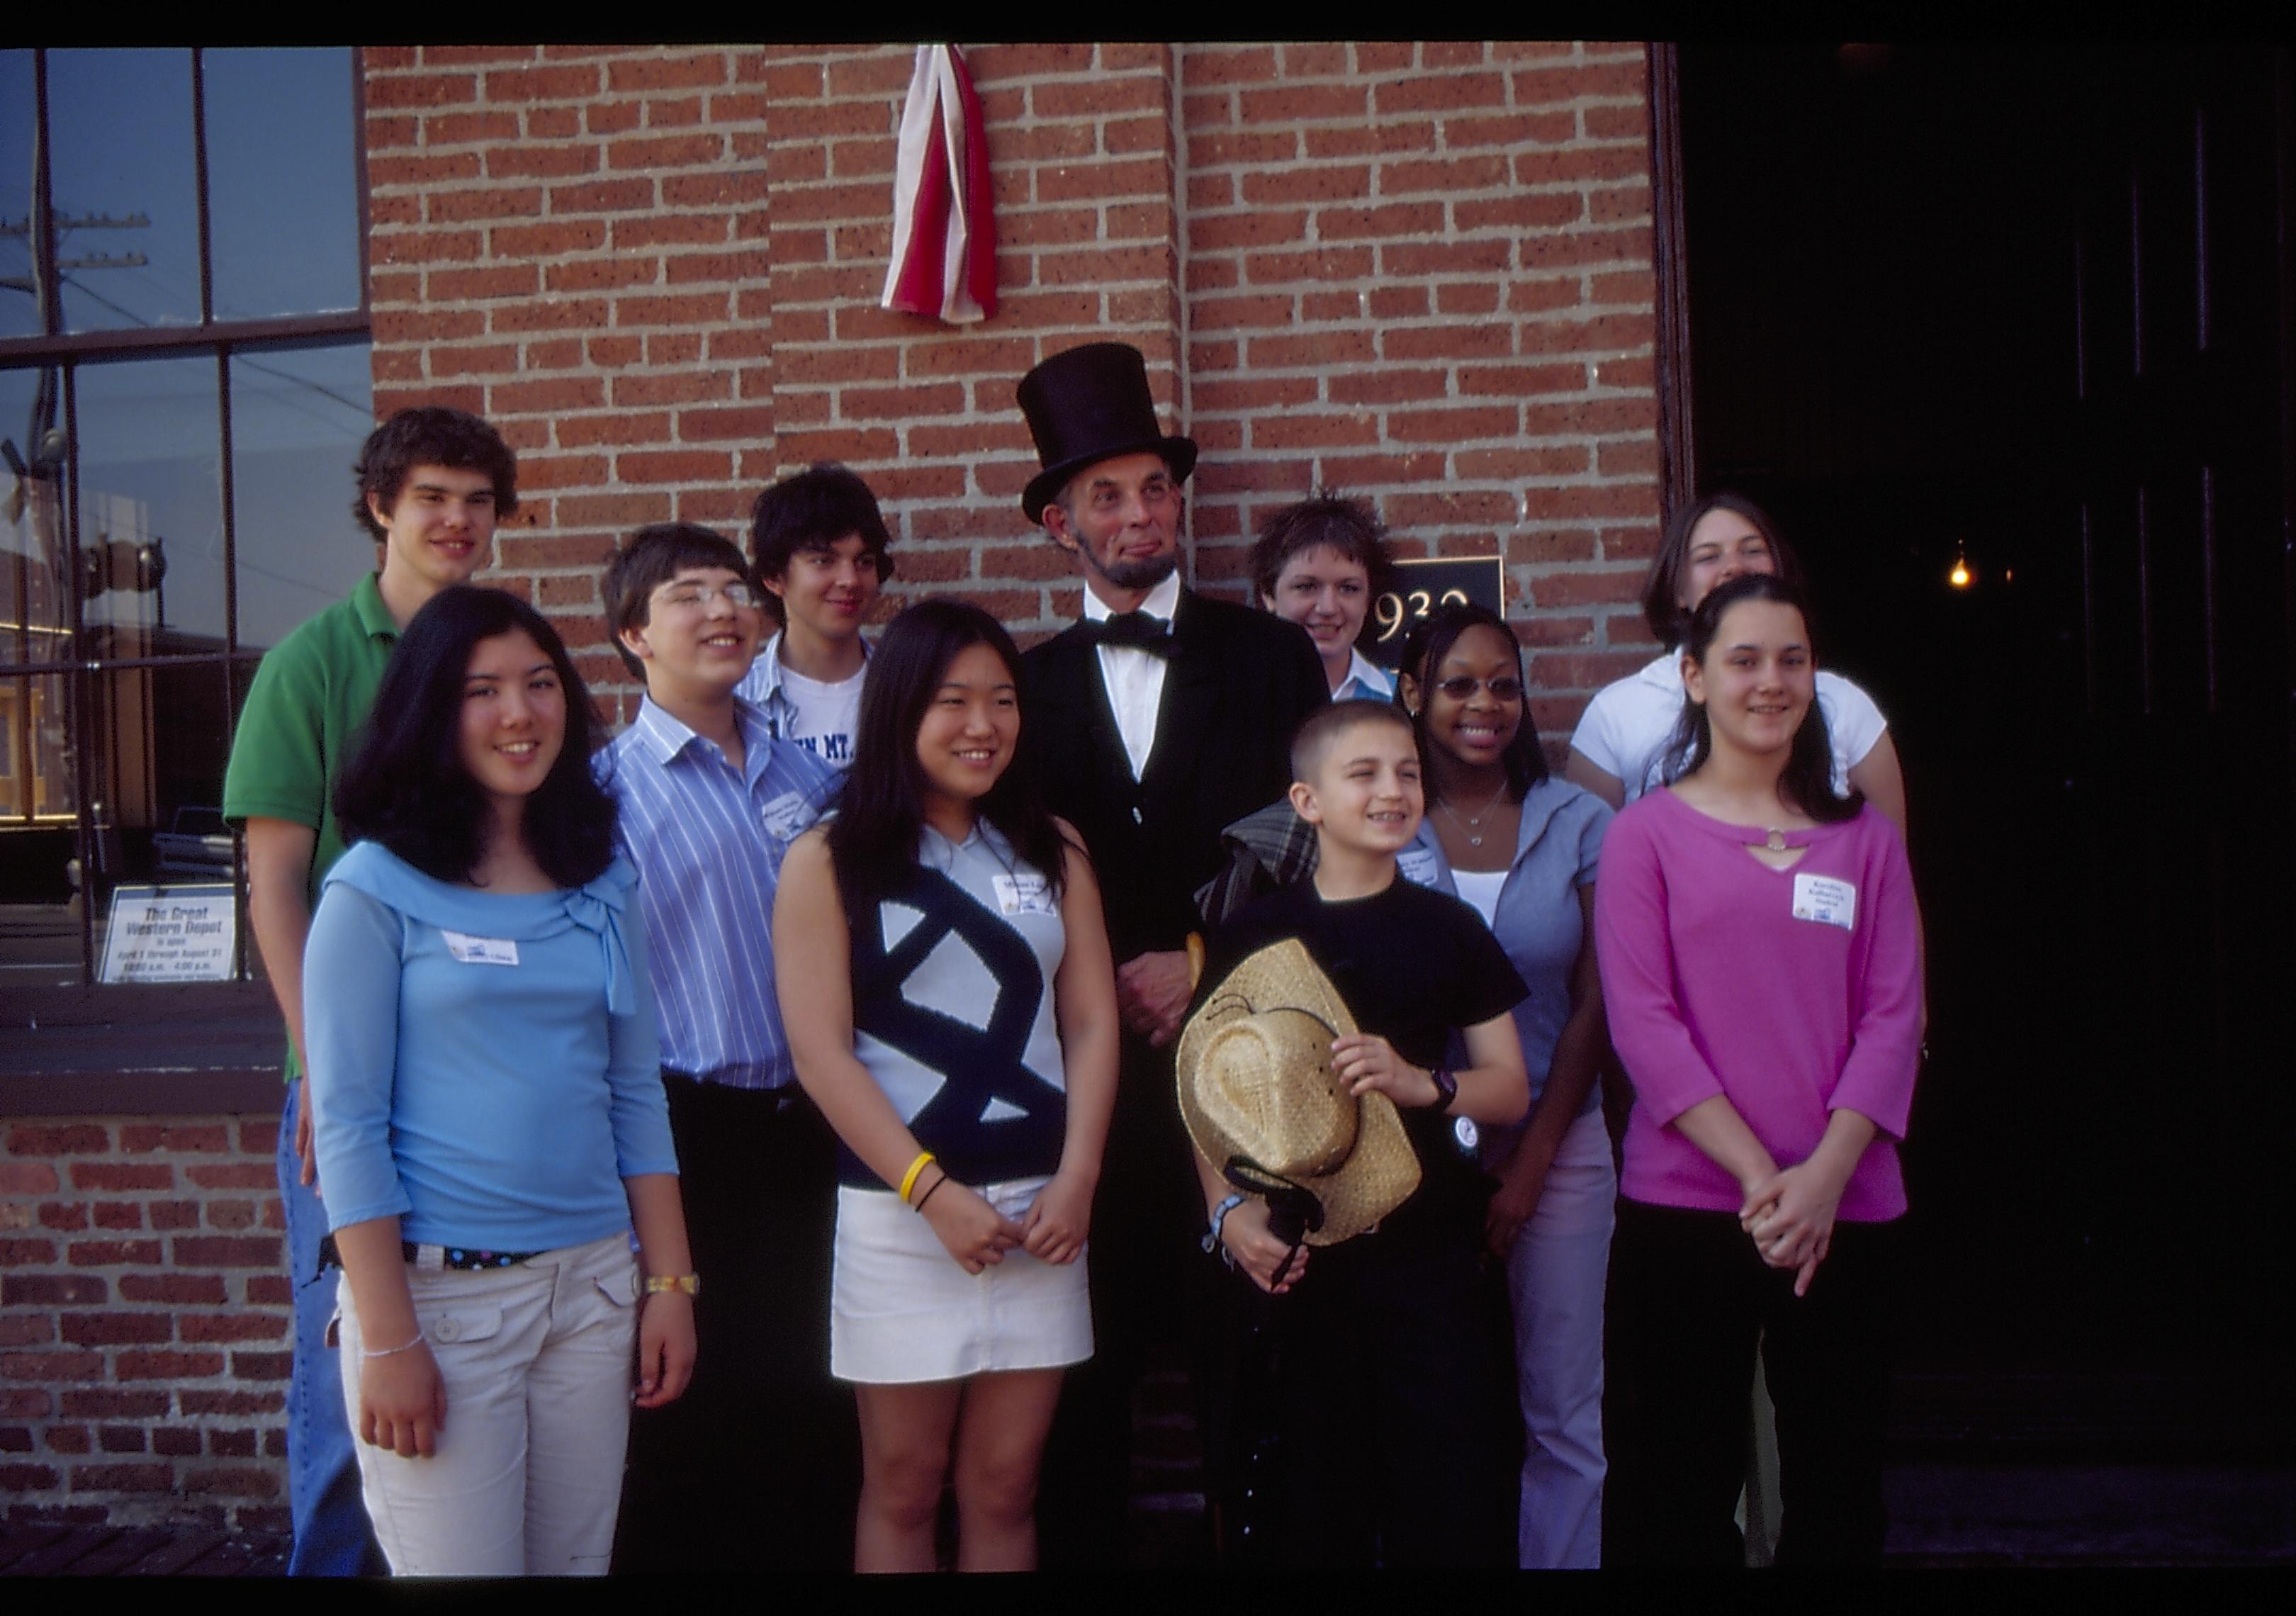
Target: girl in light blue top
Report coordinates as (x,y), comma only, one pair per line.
(490,1121)
(1520,846)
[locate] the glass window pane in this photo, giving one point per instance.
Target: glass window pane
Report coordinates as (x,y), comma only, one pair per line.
(20,308)
(35,613)
(154,746)
(298,418)
(283,182)
(39,930)
(151,507)
(119,125)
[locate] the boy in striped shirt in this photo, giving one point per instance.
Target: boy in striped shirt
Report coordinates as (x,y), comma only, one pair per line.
(758,1464)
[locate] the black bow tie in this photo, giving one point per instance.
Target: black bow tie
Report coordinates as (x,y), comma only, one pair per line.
(1135,630)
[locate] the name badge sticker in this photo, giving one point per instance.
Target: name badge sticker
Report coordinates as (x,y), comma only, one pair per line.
(1824,899)
(789,814)
(469,951)
(1417,865)
(1023,895)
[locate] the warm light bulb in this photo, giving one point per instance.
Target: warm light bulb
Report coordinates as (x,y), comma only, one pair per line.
(1959,577)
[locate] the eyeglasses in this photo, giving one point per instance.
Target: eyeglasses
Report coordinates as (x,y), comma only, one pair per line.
(696,597)
(1460,686)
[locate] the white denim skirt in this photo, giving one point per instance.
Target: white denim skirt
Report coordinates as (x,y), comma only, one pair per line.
(902,1309)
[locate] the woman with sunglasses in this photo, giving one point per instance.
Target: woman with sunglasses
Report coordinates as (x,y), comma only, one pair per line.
(1520,846)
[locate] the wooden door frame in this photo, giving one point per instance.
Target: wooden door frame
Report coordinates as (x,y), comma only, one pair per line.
(1669,260)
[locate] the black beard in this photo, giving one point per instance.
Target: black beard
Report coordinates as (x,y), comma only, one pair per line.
(1145,574)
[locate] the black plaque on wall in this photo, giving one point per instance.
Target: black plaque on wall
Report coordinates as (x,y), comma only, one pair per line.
(1422,584)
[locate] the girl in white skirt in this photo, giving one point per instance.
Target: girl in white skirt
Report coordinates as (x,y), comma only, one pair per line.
(951,1003)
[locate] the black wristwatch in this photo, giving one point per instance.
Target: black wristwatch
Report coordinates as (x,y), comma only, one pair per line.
(1446,1087)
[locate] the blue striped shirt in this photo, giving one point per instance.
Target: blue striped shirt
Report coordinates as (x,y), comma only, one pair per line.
(707,846)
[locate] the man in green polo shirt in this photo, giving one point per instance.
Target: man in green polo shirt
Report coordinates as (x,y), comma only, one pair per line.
(432,482)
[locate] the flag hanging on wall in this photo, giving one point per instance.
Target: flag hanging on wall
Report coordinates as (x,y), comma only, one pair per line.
(944,260)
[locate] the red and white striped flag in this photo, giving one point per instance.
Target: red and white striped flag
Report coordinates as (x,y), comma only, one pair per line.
(944,226)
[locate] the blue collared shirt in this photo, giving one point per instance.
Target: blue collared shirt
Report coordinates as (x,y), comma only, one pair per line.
(707,846)
(766,686)
(1539,921)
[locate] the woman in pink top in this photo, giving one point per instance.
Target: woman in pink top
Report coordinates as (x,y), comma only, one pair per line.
(1760,961)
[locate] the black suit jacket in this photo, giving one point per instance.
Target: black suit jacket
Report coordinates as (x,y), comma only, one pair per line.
(1237,686)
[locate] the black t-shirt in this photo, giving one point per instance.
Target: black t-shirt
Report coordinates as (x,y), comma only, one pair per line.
(1414,966)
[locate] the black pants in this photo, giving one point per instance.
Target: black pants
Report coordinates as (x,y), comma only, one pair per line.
(1146,1216)
(1369,1415)
(757,1466)
(1689,1297)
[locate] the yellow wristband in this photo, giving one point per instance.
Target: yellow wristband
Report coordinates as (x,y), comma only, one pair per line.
(909,1179)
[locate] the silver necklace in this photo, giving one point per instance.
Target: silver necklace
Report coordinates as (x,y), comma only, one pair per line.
(1471,827)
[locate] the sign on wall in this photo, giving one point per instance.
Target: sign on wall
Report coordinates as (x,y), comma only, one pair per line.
(1422,584)
(169,934)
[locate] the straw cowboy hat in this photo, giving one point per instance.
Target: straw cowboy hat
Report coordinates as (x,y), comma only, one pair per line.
(1259,1094)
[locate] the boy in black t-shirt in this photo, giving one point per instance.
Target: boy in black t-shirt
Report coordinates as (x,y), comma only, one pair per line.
(1388,1437)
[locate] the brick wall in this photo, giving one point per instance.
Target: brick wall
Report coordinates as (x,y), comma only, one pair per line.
(571,241)
(1420,272)
(144,1322)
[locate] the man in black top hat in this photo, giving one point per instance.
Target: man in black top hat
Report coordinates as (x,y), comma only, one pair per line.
(1160,717)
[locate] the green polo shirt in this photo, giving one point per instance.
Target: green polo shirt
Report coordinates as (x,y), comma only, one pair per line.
(310,695)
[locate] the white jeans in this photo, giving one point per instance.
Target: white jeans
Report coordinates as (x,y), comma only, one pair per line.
(1556,1275)
(537,1360)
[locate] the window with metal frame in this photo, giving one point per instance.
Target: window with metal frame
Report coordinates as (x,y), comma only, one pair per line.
(184,388)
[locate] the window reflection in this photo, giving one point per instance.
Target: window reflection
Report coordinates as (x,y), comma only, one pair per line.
(39,927)
(123,175)
(283,177)
(151,507)
(19,306)
(35,613)
(298,418)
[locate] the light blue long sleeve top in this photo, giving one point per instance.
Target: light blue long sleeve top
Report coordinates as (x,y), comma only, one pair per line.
(483,1066)
(1539,921)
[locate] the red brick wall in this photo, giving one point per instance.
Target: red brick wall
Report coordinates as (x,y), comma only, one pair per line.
(145,1322)
(1422,273)
(571,241)
(1082,142)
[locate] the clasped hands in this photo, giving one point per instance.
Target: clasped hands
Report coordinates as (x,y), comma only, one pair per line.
(1789,1216)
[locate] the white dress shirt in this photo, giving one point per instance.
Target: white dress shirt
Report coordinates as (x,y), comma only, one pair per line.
(1133,678)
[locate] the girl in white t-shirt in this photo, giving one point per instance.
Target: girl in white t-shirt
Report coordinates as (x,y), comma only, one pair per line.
(1618,750)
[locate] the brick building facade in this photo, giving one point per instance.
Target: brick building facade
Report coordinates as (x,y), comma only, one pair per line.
(1423,273)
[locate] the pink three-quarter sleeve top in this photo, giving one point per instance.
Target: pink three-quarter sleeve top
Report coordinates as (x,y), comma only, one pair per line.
(1792,991)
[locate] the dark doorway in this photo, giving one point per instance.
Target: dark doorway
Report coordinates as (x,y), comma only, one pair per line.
(2028,309)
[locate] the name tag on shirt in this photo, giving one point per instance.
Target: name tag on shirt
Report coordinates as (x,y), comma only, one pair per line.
(1826,900)
(479,950)
(1023,895)
(1417,865)
(787,815)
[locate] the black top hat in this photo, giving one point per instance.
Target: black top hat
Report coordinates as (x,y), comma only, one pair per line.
(1088,405)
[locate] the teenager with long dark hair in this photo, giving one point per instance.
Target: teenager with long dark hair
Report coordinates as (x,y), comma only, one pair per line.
(1761,973)
(1617,751)
(945,980)
(1520,846)
(491,1126)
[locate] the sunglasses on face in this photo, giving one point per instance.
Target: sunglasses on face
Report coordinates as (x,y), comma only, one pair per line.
(1459,687)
